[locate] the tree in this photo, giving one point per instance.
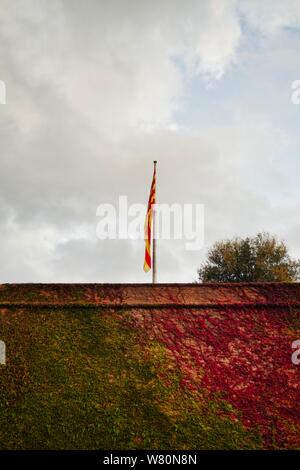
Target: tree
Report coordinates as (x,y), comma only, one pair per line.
(259,258)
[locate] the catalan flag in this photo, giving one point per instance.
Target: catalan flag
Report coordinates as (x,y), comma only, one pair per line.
(148,223)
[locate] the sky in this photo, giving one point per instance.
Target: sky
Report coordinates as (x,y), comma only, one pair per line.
(97,90)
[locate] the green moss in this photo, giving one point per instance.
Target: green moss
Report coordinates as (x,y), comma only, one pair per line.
(82,380)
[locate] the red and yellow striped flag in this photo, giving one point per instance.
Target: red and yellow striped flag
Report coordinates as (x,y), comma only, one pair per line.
(148,223)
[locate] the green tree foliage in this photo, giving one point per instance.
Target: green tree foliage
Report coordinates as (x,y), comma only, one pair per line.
(259,258)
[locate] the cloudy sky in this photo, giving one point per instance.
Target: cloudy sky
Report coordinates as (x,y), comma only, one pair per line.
(96,90)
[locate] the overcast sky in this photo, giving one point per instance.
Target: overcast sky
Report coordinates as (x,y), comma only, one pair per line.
(96,90)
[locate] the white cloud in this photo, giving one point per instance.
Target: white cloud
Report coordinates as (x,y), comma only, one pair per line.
(92,93)
(269,16)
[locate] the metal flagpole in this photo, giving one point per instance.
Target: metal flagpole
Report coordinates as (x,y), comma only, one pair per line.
(154,267)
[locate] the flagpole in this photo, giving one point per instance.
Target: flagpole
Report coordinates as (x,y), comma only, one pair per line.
(154,266)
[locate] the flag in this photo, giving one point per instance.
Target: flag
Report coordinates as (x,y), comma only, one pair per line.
(148,223)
